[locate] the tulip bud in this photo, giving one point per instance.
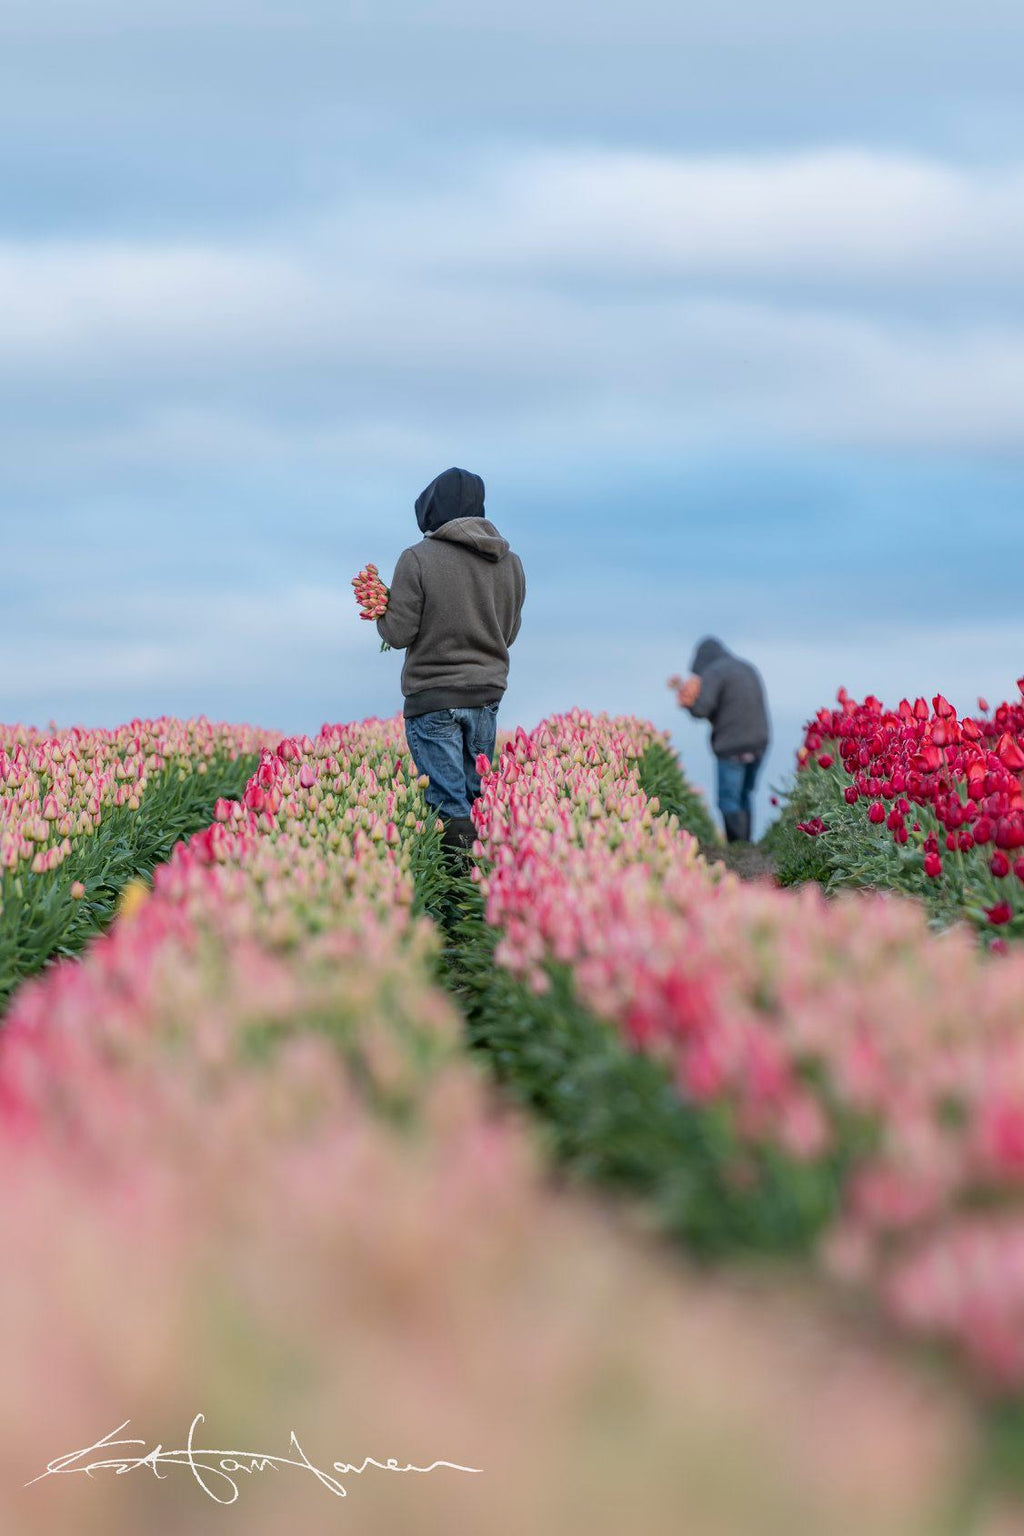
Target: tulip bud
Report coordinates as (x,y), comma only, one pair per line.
(1002,912)
(254,798)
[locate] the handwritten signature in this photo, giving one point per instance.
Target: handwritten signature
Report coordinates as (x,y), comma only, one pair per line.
(214,1469)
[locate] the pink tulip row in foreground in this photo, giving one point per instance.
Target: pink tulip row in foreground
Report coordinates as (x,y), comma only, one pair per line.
(248,1173)
(56,789)
(821,1025)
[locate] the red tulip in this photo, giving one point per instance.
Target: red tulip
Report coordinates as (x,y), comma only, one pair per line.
(1002,912)
(876,813)
(932,865)
(999,864)
(1009,753)
(1005,833)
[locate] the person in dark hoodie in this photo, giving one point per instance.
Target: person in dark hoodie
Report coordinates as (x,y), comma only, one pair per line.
(455,608)
(729,692)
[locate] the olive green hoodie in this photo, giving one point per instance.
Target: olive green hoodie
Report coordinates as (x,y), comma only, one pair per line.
(455,608)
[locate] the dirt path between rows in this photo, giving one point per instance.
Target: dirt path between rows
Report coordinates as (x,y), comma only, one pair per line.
(748,860)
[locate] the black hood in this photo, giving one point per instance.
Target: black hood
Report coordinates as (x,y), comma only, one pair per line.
(707,651)
(456,493)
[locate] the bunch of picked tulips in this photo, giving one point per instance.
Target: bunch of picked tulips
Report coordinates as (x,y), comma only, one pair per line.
(371,595)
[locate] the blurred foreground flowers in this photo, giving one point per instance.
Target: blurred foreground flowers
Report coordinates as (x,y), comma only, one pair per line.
(250,1173)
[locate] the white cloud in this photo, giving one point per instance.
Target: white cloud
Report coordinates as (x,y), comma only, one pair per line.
(479,303)
(162,638)
(829,216)
(893,661)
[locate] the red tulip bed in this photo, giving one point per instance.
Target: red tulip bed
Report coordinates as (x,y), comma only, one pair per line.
(281,1192)
(917,799)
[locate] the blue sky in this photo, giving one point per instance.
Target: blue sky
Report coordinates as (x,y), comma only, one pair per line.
(728,310)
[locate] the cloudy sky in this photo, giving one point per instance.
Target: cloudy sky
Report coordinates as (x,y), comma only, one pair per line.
(726,304)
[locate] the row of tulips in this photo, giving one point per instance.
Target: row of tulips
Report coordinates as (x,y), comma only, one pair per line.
(85,811)
(841,1036)
(282,1198)
(920,799)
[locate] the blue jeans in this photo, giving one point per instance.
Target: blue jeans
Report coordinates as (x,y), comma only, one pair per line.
(445,745)
(736,781)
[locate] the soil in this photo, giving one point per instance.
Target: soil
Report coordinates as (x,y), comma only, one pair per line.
(748,860)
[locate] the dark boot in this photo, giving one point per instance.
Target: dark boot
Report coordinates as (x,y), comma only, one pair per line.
(737,826)
(459,834)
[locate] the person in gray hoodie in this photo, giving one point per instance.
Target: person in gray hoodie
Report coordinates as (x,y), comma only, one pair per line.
(729,692)
(455,609)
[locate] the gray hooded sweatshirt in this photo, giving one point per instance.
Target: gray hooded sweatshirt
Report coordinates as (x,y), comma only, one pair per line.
(456,603)
(732,698)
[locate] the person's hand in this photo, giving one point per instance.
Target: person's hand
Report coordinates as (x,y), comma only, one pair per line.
(688,692)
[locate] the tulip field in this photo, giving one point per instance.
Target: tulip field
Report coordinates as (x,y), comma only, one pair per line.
(623,1188)
(917,799)
(82,814)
